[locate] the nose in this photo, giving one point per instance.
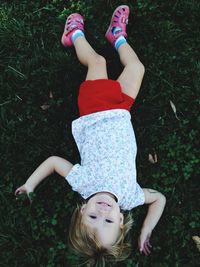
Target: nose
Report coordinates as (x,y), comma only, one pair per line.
(102,212)
(103,209)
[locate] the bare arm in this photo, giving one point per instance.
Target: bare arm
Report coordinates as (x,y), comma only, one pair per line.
(49,166)
(156,202)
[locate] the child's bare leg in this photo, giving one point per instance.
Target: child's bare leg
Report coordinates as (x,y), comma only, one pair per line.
(132,75)
(133,72)
(73,35)
(88,57)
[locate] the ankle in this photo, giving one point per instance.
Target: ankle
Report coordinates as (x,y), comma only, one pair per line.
(120,41)
(76,34)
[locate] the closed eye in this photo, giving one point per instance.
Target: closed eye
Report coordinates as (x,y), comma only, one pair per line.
(92,216)
(109,221)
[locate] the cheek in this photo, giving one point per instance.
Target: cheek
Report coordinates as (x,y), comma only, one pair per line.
(118,216)
(91,203)
(89,208)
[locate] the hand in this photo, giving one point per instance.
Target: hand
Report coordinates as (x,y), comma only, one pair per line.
(144,241)
(24,189)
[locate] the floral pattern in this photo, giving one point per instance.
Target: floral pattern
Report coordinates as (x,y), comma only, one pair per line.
(107,146)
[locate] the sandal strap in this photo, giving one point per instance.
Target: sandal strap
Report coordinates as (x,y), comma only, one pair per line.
(119,34)
(123,20)
(74,23)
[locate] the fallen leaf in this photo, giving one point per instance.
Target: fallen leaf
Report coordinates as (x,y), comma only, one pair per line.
(196,239)
(173,108)
(45,107)
(18,97)
(50,94)
(153,159)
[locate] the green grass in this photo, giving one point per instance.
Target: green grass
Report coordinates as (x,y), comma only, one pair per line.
(165,35)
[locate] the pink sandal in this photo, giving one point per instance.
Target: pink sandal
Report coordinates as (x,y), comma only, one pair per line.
(119,19)
(74,22)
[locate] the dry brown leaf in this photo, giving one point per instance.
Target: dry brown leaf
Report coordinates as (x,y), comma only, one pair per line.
(196,239)
(45,107)
(50,94)
(153,159)
(173,108)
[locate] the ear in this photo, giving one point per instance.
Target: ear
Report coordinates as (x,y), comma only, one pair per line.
(121,220)
(82,208)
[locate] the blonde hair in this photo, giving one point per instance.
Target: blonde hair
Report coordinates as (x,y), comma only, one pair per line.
(85,243)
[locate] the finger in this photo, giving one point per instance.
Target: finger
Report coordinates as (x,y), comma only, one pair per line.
(149,244)
(141,247)
(17,191)
(145,252)
(147,248)
(139,244)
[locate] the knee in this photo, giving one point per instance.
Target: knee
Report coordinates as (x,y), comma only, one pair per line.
(99,60)
(140,68)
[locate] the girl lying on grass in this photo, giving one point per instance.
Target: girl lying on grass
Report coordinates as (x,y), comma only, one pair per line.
(106,177)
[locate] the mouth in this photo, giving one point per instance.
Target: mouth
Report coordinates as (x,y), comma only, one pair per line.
(105,204)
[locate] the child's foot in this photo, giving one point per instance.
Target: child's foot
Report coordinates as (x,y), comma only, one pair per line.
(74,22)
(118,24)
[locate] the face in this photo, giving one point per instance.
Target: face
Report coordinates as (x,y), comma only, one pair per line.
(102,215)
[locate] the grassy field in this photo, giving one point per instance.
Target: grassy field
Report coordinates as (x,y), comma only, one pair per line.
(38,101)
